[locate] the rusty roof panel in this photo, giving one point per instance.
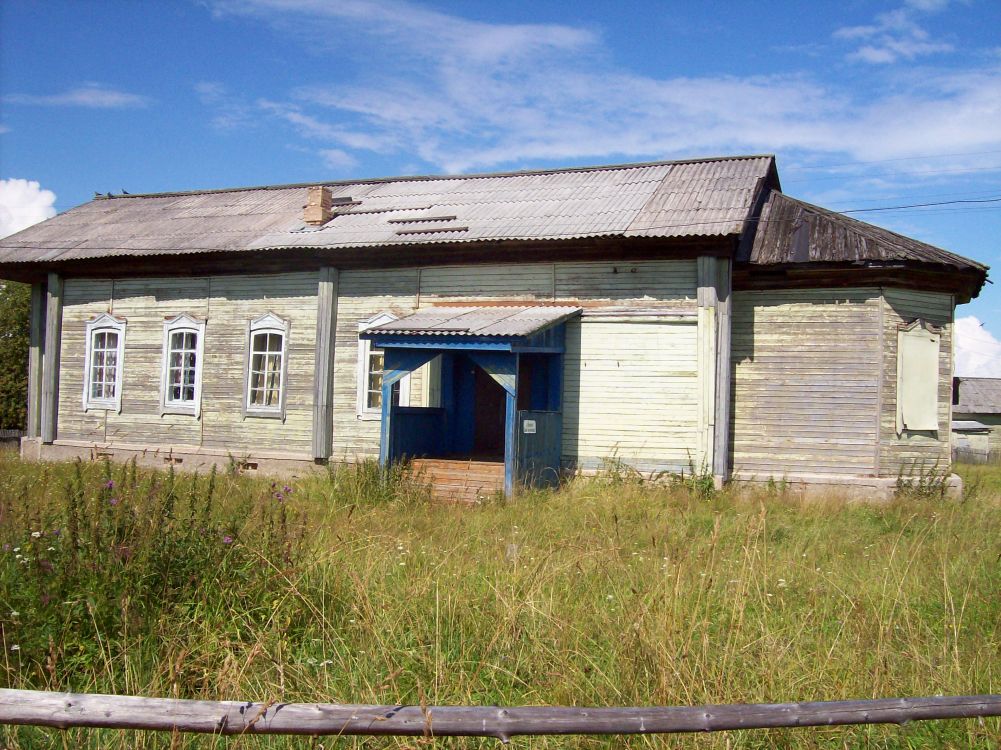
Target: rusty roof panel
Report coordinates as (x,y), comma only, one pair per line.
(791,231)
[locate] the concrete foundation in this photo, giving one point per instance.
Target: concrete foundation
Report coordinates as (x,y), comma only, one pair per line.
(182,458)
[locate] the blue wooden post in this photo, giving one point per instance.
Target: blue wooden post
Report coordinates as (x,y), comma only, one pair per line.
(511,434)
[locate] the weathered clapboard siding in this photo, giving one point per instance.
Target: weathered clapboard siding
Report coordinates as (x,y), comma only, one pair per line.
(913,452)
(234,301)
(362,294)
(648,283)
(647,369)
(82,300)
(805,381)
(525,281)
(145,304)
(228,303)
(631,393)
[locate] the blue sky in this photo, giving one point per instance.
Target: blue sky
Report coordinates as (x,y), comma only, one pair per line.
(866,104)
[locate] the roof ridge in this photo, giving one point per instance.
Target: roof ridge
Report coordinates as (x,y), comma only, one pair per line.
(431,177)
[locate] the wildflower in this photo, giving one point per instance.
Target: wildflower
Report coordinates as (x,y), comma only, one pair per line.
(35,534)
(227,539)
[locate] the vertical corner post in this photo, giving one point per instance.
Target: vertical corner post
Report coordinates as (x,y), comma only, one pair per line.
(708,300)
(50,357)
(724,316)
(323,375)
(36,338)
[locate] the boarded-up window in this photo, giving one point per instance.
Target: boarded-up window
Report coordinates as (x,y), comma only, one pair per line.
(917,377)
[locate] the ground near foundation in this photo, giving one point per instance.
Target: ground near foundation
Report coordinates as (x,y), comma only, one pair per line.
(612,592)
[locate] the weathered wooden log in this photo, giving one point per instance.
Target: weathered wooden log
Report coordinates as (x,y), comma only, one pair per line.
(66,710)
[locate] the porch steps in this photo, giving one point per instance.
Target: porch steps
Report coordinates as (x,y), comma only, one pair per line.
(461,480)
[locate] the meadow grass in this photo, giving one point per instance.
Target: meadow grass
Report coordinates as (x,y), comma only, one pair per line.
(353,587)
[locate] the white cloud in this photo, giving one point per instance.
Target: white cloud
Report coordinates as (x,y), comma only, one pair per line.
(335,158)
(23,203)
(460,94)
(90,95)
(231,112)
(978,351)
(895,35)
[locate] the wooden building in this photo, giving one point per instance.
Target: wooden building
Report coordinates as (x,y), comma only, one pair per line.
(500,328)
(976,414)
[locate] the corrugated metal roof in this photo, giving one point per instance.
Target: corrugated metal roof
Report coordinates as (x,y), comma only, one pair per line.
(978,396)
(966,425)
(498,322)
(792,231)
(707,197)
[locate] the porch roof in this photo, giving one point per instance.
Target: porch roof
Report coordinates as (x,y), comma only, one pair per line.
(502,323)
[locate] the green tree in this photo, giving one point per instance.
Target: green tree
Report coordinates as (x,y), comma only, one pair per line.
(15,303)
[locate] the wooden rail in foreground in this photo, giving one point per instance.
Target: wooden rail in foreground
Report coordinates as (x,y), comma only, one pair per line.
(66,710)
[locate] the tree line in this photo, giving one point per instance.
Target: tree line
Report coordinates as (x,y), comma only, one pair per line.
(15,303)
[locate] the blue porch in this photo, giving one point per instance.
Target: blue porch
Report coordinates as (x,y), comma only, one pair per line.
(501,389)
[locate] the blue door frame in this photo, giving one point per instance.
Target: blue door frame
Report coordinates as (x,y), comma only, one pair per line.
(409,431)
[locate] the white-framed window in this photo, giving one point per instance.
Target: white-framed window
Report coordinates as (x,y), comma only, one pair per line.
(181,374)
(267,367)
(103,359)
(370,369)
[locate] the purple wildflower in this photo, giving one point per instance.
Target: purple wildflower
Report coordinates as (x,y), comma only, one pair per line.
(227,539)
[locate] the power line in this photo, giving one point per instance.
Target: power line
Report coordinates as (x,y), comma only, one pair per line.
(920,205)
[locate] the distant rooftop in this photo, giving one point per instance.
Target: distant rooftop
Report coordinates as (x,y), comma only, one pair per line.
(977,396)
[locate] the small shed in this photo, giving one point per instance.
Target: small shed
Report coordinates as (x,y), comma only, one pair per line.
(976,411)
(970,441)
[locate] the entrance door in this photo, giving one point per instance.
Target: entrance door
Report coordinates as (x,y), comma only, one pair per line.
(489,403)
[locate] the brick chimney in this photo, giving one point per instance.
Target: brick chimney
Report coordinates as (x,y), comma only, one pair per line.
(319,206)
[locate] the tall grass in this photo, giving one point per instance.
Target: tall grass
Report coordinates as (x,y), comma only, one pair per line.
(353,588)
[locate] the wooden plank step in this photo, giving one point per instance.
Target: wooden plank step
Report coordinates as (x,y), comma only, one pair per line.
(463,481)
